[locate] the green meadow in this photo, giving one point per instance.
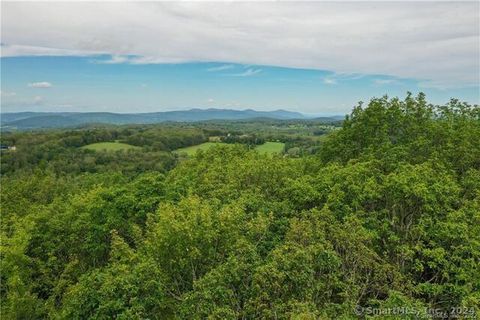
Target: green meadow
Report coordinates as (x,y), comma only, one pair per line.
(267,147)
(270,147)
(110,146)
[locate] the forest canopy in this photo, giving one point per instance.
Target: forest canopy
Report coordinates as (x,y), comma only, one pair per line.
(383,212)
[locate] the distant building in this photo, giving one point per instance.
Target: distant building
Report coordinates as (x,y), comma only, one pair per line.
(5,147)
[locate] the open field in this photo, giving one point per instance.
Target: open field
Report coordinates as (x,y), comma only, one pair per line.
(267,147)
(193,149)
(109,146)
(271,147)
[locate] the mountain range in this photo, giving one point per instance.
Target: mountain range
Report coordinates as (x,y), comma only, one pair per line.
(37,120)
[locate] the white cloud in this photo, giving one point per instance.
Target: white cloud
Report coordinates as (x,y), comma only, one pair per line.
(118,59)
(329,81)
(381,82)
(113,60)
(346,76)
(37,100)
(336,78)
(7,94)
(434,42)
(42,85)
(13,50)
(221,68)
(247,73)
(211,100)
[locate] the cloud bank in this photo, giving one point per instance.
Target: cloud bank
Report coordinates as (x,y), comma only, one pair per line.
(435,42)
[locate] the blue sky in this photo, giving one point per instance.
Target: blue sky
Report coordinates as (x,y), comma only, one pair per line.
(89,84)
(312,57)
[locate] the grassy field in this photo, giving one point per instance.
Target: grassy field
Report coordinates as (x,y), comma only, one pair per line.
(109,146)
(271,147)
(193,149)
(267,147)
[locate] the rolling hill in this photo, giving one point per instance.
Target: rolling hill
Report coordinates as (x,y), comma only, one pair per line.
(36,120)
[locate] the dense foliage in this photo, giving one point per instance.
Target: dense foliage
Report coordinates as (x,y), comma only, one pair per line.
(386,214)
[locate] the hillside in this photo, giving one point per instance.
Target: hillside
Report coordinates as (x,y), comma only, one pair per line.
(34,120)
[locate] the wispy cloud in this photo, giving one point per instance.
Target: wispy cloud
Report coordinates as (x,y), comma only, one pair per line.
(37,100)
(16,50)
(329,81)
(115,59)
(7,94)
(382,82)
(41,85)
(247,73)
(336,78)
(221,68)
(137,60)
(349,76)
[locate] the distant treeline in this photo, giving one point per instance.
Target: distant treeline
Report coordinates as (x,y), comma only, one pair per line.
(59,149)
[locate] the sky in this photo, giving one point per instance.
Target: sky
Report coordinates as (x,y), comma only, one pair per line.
(313,57)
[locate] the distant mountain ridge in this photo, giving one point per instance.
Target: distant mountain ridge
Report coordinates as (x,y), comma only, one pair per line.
(36,120)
